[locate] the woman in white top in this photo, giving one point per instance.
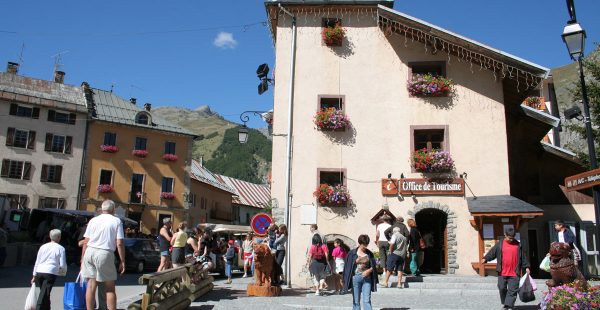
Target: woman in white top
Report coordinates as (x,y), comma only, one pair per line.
(51,261)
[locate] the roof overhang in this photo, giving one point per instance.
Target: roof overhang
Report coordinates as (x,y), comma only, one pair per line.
(501,205)
(560,152)
(540,116)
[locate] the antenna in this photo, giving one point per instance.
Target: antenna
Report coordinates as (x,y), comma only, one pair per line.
(21,60)
(112,86)
(58,60)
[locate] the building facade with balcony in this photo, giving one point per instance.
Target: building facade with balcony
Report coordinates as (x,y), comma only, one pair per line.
(211,198)
(397,114)
(136,159)
(42,132)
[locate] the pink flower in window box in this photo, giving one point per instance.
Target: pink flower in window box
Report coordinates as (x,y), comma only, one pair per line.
(105,188)
(167,195)
(109,148)
(140,153)
(170,157)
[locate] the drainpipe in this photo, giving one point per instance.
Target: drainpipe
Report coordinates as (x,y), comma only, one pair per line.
(288,170)
(86,90)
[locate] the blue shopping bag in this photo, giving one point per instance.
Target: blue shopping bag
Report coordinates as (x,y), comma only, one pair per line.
(74,296)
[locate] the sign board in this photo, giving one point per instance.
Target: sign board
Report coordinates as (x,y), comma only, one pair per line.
(432,186)
(260,223)
(583,180)
(389,186)
(308,214)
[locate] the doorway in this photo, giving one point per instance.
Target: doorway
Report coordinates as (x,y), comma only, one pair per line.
(432,225)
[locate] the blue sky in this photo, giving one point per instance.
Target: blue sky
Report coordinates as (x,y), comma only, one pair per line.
(194,53)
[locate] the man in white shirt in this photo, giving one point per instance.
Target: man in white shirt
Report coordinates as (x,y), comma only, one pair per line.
(103,235)
(51,261)
(382,241)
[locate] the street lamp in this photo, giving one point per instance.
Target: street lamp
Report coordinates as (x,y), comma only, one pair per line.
(574,37)
(243,131)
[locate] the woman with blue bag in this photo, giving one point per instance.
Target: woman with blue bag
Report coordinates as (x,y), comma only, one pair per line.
(51,262)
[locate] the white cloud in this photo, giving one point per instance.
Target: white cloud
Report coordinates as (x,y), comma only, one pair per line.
(225,40)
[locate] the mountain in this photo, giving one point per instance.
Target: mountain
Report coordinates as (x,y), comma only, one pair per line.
(218,145)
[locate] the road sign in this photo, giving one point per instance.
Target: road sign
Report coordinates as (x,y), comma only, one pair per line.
(260,223)
(583,180)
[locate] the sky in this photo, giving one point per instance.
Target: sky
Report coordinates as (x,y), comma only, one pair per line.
(195,53)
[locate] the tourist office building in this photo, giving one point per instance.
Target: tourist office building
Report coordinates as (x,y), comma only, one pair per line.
(401,117)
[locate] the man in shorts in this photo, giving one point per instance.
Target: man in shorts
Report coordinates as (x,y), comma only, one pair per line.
(398,245)
(103,235)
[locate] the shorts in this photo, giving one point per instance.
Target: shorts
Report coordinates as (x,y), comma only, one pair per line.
(247,257)
(99,264)
(394,262)
(165,253)
(178,256)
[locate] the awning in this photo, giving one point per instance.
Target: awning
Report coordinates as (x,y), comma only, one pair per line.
(501,205)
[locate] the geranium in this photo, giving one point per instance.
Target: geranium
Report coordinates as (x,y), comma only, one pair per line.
(333,35)
(331,119)
(167,195)
(140,153)
(432,161)
(533,101)
(332,196)
(568,297)
(105,188)
(430,85)
(109,148)
(170,157)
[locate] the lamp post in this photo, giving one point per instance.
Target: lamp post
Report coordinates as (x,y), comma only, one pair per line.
(243,131)
(574,37)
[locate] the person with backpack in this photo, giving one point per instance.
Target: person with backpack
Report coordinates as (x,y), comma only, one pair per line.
(318,254)
(381,240)
(414,247)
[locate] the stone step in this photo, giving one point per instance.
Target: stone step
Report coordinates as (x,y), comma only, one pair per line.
(451,285)
(451,279)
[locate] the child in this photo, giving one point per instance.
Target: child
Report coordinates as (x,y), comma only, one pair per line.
(339,254)
(229,260)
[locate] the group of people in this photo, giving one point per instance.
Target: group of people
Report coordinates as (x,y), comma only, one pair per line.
(276,240)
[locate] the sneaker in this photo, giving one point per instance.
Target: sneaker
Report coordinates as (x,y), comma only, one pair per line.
(383,284)
(245,276)
(317,293)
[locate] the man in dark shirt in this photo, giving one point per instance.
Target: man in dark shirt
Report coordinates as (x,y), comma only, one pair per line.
(510,259)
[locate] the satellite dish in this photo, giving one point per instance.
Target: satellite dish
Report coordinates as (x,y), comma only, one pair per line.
(262,71)
(263,87)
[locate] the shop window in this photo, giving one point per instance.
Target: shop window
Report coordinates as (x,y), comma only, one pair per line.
(110,138)
(14,169)
(332,177)
(59,117)
(51,173)
(336,102)
(429,137)
(23,111)
(435,68)
(140,143)
(169,147)
(51,202)
(20,138)
(105,177)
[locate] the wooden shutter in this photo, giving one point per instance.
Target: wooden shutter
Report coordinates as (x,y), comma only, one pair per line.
(27,171)
(48,145)
(44,175)
(31,140)
(10,135)
(72,118)
(57,174)
(68,143)
(35,113)
(13,108)
(23,201)
(51,115)
(5,165)
(61,203)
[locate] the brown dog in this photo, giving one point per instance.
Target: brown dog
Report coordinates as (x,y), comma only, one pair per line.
(263,265)
(562,267)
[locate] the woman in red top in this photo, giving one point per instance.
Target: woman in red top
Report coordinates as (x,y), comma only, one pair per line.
(339,255)
(319,261)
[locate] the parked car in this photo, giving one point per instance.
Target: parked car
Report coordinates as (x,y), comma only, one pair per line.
(141,254)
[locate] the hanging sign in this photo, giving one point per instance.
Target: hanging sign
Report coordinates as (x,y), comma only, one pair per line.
(260,223)
(432,186)
(389,186)
(583,180)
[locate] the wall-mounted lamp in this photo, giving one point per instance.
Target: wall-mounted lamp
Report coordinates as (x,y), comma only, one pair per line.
(463,175)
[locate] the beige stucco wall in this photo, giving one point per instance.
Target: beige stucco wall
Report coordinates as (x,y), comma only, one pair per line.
(371,71)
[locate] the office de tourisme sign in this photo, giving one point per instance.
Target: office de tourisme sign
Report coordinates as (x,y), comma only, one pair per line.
(432,186)
(583,180)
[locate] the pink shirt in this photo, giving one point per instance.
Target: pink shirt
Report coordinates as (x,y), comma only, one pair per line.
(316,253)
(339,252)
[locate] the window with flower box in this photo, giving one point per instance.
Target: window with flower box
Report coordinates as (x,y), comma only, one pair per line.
(110,138)
(167,188)
(106,177)
(20,138)
(432,140)
(331,189)
(330,114)
(428,79)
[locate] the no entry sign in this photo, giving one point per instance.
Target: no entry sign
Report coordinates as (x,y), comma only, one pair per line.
(260,223)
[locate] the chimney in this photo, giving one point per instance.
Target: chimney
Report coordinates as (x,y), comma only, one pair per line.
(201,161)
(12,67)
(147,106)
(132,100)
(59,77)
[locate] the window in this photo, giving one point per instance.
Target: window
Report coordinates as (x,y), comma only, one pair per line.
(429,137)
(51,202)
(167,185)
(105,177)
(137,188)
(20,138)
(16,201)
(51,173)
(332,177)
(58,144)
(23,111)
(59,117)
(169,147)
(15,169)
(140,143)
(110,138)
(336,102)
(436,68)
(142,118)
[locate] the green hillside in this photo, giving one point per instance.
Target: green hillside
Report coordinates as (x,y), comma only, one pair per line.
(218,145)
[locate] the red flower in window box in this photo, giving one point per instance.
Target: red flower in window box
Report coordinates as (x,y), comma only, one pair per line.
(140,153)
(331,119)
(333,36)
(432,161)
(428,85)
(170,157)
(167,195)
(535,102)
(332,196)
(105,188)
(109,148)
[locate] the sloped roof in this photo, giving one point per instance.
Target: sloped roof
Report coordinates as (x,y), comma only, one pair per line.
(112,108)
(201,174)
(500,204)
(248,194)
(389,3)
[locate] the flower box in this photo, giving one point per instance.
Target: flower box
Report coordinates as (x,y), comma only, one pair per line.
(105,188)
(432,161)
(535,102)
(331,119)
(570,297)
(332,196)
(140,153)
(333,36)
(428,85)
(109,148)
(167,195)
(170,157)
